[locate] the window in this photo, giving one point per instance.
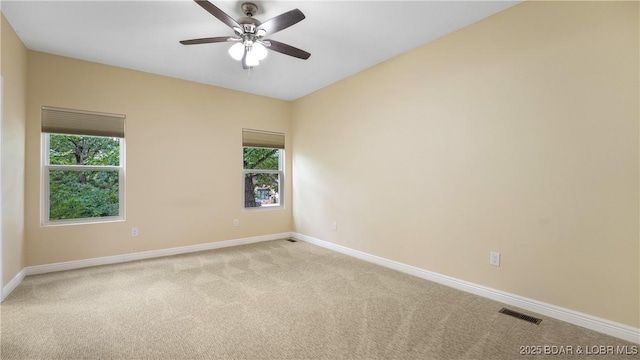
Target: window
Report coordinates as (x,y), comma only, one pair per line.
(83,166)
(263,162)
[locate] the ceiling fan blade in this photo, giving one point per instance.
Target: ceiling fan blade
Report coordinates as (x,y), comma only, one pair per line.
(287,49)
(281,21)
(221,15)
(205,40)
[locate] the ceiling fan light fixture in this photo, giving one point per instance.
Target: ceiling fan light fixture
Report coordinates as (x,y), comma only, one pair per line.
(252,58)
(237,51)
(259,50)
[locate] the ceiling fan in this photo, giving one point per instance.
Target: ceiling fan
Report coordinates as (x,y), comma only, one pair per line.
(250,44)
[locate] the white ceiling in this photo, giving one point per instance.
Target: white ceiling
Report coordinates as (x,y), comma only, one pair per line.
(343,37)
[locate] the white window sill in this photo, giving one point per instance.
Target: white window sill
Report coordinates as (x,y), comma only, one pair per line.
(82,221)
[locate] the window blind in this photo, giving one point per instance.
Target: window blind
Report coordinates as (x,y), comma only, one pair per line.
(256,138)
(79,122)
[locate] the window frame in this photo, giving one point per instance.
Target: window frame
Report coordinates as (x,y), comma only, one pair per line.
(281,181)
(45,184)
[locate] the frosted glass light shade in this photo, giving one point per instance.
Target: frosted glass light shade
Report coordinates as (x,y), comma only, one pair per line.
(252,58)
(237,51)
(259,50)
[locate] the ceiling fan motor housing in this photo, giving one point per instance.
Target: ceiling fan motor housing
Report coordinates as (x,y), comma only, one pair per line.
(249,24)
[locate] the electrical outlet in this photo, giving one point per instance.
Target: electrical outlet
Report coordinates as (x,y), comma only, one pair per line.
(236,222)
(494,258)
(134,231)
(334,226)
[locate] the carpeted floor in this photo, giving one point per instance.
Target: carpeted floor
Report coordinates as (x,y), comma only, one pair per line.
(271,300)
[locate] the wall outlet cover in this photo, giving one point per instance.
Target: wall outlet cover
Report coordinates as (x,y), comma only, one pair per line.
(494,258)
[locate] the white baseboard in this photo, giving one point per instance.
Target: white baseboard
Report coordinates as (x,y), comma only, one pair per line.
(604,326)
(7,289)
(70,265)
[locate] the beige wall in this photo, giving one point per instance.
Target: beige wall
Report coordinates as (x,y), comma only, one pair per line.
(518,134)
(14,73)
(183,159)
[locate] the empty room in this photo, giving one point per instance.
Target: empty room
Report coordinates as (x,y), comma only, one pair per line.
(319,179)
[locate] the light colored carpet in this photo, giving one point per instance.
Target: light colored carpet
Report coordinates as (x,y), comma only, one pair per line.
(271,300)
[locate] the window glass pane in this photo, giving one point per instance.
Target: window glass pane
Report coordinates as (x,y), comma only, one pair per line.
(261,158)
(261,190)
(83,150)
(83,194)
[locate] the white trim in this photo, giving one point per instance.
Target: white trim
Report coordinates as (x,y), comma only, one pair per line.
(7,289)
(604,326)
(1,188)
(44,178)
(69,265)
(45,185)
(281,181)
(122,181)
(84,167)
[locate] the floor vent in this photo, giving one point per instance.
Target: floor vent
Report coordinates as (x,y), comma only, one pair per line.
(521,316)
(292,240)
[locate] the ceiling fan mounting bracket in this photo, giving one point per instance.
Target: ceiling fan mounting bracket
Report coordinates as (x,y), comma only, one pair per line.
(249,9)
